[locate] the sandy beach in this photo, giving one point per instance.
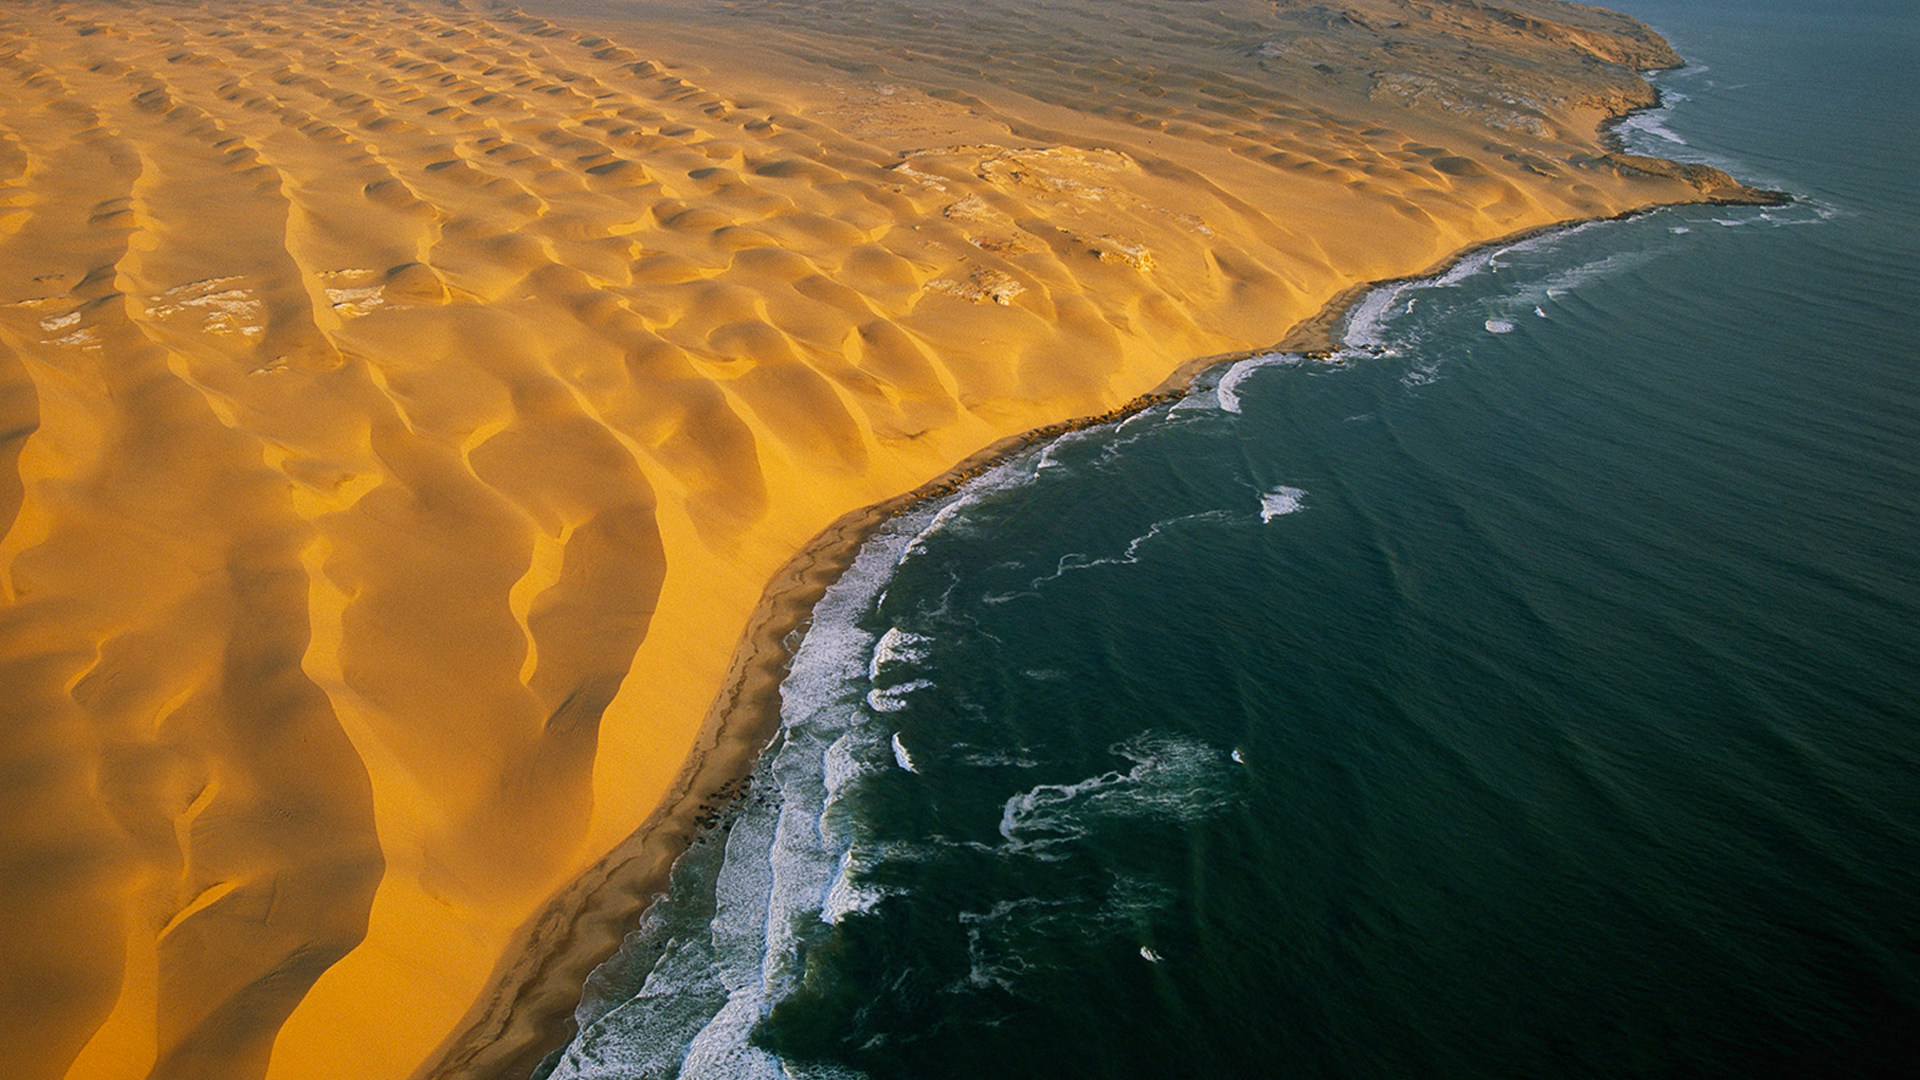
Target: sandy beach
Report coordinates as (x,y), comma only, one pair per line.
(422,426)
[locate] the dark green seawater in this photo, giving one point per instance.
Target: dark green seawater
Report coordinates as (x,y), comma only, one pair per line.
(1533,693)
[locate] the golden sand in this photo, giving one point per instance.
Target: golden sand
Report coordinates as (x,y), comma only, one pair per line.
(403,407)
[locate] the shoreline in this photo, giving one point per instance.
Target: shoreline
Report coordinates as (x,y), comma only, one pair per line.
(526,1013)
(1316,335)
(435,423)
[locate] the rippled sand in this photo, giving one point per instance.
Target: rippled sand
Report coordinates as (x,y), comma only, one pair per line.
(402,407)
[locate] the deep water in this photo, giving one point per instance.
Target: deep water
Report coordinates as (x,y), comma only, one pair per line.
(1532,692)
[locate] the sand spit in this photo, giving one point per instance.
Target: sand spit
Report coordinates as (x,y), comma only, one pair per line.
(403,407)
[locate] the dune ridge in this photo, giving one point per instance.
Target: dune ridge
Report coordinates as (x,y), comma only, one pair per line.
(403,407)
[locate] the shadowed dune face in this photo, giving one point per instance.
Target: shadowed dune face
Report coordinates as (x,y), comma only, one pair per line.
(401,406)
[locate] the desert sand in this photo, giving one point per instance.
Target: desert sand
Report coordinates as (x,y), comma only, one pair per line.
(405,406)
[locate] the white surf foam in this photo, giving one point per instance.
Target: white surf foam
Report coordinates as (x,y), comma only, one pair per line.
(791,866)
(1653,122)
(1079,560)
(900,755)
(1369,324)
(1226,392)
(1280,502)
(992,759)
(848,894)
(1538,296)
(896,648)
(930,521)
(721,1050)
(1174,777)
(1475,263)
(1132,430)
(1015,939)
(1053,454)
(793,861)
(1648,131)
(891,699)
(1366,321)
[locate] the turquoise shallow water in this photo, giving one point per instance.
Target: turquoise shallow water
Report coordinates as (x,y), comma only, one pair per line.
(1534,692)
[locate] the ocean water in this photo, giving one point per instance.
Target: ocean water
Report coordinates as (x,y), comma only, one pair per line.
(1532,691)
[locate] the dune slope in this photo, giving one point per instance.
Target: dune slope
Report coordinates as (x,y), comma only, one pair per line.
(403,404)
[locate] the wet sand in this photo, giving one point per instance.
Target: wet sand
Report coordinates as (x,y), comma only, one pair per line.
(403,408)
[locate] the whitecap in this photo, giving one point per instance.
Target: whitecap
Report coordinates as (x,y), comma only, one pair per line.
(891,699)
(1015,938)
(994,759)
(1368,322)
(843,762)
(1120,437)
(1173,778)
(896,648)
(791,861)
(849,895)
(1466,268)
(1008,475)
(900,755)
(1366,326)
(1204,401)
(1226,393)
(1651,123)
(989,961)
(1144,416)
(1547,239)
(1080,560)
(1280,502)
(1563,282)
(722,1051)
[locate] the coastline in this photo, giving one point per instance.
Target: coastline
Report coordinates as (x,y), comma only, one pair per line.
(421,412)
(526,1013)
(1719,188)
(1317,335)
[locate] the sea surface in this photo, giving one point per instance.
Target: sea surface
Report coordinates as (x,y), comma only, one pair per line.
(1531,691)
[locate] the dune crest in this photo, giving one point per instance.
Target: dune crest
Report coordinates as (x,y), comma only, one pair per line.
(403,405)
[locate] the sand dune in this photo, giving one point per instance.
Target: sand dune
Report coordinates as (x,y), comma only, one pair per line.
(403,405)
